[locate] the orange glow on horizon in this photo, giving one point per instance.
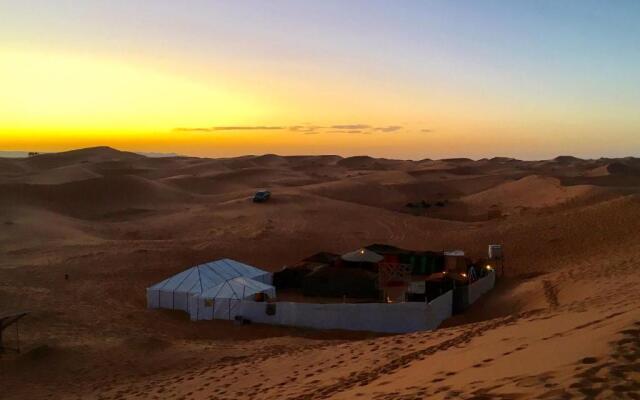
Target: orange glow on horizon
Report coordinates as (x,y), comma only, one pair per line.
(56,101)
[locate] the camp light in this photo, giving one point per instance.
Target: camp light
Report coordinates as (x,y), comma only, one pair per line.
(463,275)
(488,267)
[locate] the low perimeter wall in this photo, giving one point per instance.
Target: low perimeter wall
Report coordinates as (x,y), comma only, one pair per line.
(481,286)
(374,317)
(465,296)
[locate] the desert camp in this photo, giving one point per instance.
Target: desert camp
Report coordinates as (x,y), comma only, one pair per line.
(320,200)
(92,238)
(353,291)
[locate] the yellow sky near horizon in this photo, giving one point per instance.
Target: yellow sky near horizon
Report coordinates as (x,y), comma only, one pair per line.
(54,101)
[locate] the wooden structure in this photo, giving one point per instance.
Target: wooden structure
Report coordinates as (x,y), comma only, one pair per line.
(6,320)
(496,256)
(393,280)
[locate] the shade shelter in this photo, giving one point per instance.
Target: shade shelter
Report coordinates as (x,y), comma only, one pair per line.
(174,292)
(422,262)
(222,301)
(340,282)
(6,320)
(362,256)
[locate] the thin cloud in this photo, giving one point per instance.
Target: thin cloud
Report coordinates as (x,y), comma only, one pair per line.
(351,131)
(387,129)
(426,130)
(306,129)
(350,127)
(192,129)
(247,128)
(230,128)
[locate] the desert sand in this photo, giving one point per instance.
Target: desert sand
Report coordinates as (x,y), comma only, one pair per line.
(563,323)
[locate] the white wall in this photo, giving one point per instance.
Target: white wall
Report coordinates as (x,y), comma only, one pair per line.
(481,286)
(374,317)
(201,309)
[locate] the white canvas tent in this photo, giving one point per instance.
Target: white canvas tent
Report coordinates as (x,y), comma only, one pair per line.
(222,301)
(174,292)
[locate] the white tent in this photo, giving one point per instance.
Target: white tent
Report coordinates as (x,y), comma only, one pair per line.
(174,292)
(238,288)
(222,301)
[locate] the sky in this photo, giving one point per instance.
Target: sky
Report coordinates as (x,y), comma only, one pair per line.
(400,79)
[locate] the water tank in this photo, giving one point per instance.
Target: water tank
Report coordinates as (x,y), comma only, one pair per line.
(495,251)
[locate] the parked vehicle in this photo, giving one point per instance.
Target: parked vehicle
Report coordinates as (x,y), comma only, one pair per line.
(261,196)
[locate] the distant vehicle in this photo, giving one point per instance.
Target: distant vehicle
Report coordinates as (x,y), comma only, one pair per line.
(261,196)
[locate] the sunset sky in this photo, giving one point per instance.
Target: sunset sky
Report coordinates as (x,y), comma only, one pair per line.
(401,79)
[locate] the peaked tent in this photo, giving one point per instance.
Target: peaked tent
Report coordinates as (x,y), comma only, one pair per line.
(221,301)
(238,288)
(174,292)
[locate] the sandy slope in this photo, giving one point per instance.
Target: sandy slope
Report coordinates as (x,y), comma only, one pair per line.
(530,191)
(564,323)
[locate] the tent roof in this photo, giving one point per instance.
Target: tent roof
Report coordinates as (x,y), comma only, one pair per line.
(323,257)
(238,288)
(362,255)
(387,249)
(202,277)
(9,318)
(384,249)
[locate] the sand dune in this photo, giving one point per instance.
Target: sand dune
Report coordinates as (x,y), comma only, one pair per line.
(615,168)
(529,192)
(354,191)
(564,323)
(89,155)
(270,160)
(567,159)
(10,168)
(618,168)
(93,198)
(313,161)
(60,175)
(369,163)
